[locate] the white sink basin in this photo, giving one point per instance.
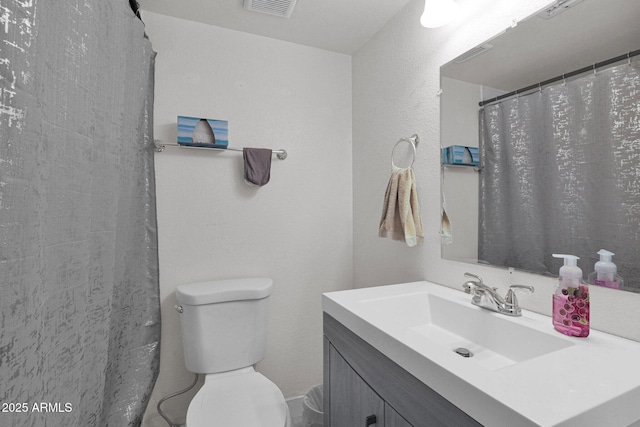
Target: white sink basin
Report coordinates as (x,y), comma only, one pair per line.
(522,372)
(494,341)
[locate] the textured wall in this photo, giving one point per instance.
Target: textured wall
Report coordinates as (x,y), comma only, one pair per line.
(395,83)
(297,229)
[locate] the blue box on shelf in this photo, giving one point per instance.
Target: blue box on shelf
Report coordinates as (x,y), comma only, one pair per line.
(199,132)
(460,155)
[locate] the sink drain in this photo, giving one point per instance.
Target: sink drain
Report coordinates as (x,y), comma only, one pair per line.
(464,352)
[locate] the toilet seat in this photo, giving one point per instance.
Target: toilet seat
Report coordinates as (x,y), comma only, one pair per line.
(242,398)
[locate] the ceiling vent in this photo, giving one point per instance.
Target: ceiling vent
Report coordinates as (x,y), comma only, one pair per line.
(557,8)
(473,52)
(281,8)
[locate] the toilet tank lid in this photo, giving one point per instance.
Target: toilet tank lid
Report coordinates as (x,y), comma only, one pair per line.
(216,291)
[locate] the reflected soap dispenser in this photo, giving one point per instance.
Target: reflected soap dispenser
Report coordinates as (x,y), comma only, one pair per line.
(605,273)
(571,300)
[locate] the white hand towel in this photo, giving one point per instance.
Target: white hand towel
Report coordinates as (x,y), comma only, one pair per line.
(401,211)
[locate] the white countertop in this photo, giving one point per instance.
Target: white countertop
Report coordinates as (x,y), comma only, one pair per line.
(593,381)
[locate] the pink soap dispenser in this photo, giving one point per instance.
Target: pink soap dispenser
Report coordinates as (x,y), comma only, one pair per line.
(571,300)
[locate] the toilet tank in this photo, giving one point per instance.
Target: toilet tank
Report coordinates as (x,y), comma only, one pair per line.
(224,323)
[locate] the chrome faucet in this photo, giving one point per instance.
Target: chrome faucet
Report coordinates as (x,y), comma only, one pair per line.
(487,297)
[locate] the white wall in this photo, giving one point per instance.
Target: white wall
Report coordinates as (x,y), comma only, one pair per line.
(395,84)
(297,229)
(459,126)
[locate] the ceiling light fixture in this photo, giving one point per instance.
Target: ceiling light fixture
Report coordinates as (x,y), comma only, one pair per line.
(438,13)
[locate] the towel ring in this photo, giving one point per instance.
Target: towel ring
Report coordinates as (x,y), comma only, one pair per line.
(413,147)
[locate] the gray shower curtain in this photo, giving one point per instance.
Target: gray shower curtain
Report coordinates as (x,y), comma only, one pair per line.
(79,302)
(562,175)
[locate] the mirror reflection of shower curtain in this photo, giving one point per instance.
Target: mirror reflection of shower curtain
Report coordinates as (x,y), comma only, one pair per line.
(562,175)
(79,300)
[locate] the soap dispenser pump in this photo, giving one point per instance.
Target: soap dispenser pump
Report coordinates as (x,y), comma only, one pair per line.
(571,300)
(605,273)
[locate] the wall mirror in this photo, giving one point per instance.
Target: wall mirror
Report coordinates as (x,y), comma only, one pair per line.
(567,35)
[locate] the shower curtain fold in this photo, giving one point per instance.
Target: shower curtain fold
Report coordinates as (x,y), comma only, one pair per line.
(79,297)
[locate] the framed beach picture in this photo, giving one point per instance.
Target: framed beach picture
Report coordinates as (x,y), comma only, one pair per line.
(198,132)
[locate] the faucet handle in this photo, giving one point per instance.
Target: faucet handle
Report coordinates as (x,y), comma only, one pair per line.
(531,289)
(474,276)
(511,294)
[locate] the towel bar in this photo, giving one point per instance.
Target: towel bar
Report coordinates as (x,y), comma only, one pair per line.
(160,146)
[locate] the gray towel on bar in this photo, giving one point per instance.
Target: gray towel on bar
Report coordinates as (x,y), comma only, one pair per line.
(257,165)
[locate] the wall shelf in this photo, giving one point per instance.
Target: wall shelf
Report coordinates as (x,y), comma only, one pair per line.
(475,168)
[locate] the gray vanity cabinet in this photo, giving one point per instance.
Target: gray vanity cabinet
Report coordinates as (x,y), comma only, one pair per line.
(363,387)
(393,419)
(354,403)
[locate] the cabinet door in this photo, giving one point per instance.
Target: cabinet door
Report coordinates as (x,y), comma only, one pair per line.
(353,402)
(393,419)
(415,402)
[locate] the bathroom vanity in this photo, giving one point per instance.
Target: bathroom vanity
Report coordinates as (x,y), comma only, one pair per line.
(390,361)
(368,388)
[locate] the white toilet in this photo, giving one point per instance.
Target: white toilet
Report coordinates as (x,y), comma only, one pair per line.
(224,335)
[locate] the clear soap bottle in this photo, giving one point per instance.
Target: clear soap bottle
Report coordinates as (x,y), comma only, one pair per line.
(606,272)
(571,300)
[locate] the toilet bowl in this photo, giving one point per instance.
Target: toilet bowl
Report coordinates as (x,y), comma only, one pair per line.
(242,398)
(224,334)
